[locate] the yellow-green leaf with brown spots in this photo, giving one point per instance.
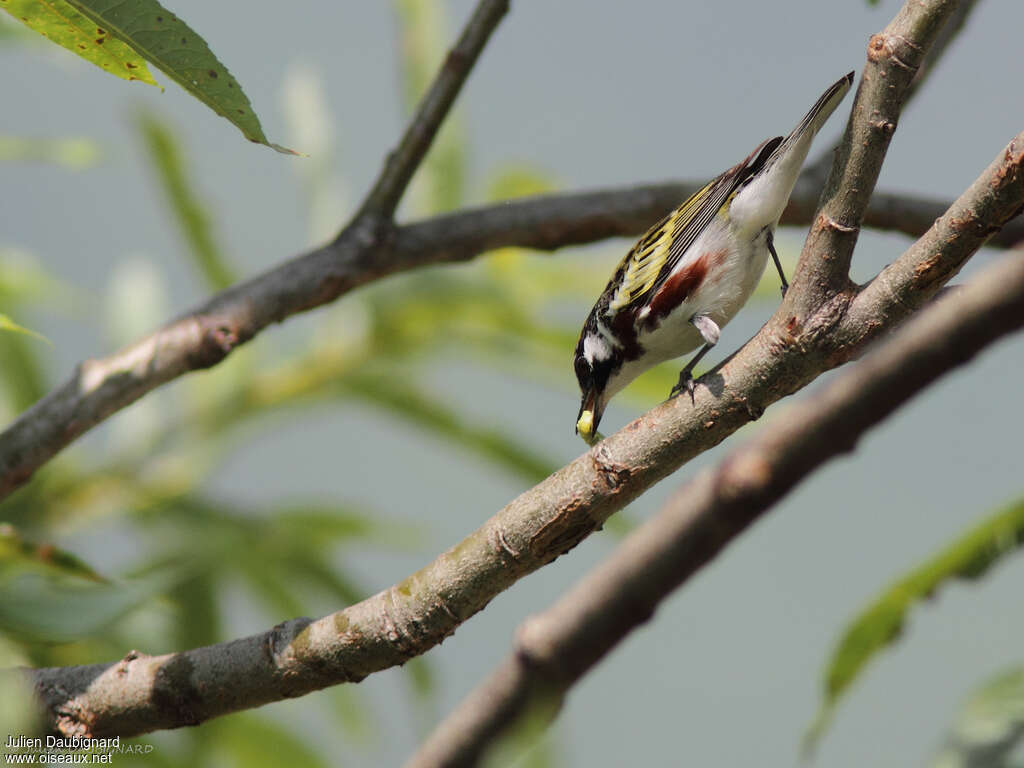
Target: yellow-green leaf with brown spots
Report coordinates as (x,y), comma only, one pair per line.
(175,49)
(169,44)
(59,22)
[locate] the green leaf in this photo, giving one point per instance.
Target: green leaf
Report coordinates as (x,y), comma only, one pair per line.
(440,183)
(6,324)
(165,154)
(969,557)
(529,741)
(416,407)
(200,619)
(21,375)
(989,726)
(23,282)
(317,571)
(445,169)
(175,49)
(422,678)
(332,524)
(48,606)
(421,33)
(519,180)
(67,26)
(278,553)
(255,740)
(18,552)
(75,154)
(353,711)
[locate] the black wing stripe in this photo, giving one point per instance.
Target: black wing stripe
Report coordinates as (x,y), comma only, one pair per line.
(724,186)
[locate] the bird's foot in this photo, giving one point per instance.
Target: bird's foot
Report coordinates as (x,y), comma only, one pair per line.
(686,383)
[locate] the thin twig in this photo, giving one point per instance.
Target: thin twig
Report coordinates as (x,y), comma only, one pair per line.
(402,162)
(554,649)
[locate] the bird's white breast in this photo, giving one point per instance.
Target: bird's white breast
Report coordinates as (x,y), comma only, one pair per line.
(734,267)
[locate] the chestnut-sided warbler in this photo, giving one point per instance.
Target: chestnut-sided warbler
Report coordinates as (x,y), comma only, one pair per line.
(693,270)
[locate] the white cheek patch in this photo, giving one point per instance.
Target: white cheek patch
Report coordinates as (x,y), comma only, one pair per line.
(596,348)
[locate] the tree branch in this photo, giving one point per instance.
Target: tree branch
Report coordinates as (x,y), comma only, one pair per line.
(991,201)
(816,173)
(403,161)
(366,251)
(143,693)
(554,649)
(206,334)
(894,56)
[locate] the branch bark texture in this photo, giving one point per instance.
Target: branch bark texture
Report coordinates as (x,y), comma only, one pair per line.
(205,335)
(556,648)
(372,247)
(894,56)
(143,693)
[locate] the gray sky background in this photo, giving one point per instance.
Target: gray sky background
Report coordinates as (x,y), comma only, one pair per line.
(597,94)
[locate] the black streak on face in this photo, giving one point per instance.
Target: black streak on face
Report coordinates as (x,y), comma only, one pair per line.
(594,376)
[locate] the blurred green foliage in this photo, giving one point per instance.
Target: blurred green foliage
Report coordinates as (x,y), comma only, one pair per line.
(193,222)
(968,557)
(23,286)
(989,726)
(185,554)
(75,154)
(440,184)
(148,487)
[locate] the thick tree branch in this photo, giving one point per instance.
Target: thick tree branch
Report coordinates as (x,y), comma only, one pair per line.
(402,162)
(938,255)
(143,693)
(815,173)
(894,56)
(371,248)
(554,649)
(205,335)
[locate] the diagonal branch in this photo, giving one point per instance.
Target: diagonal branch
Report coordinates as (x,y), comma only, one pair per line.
(815,173)
(894,56)
(403,161)
(554,649)
(205,335)
(371,248)
(143,693)
(990,202)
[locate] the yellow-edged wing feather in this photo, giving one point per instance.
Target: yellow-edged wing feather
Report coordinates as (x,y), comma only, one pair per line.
(645,263)
(654,257)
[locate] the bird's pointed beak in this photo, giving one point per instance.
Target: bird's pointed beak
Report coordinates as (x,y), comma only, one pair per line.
(591,410)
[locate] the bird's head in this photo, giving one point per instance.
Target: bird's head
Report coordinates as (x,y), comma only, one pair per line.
(596,363)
